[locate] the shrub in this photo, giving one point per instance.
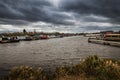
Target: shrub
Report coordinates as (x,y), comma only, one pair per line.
(77,70)
(62,71)
(91,65)
(110,70)
(40,74)
(102,69)
(26,73)
(19,73)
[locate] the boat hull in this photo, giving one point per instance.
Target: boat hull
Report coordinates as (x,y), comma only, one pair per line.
(9,41)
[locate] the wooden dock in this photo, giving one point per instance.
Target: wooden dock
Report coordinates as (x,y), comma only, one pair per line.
(103,42)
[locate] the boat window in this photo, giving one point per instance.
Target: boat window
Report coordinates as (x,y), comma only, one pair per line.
(114,36)
(108,36)
(4,38)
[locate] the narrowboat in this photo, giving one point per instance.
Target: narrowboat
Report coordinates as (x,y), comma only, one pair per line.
(112,37)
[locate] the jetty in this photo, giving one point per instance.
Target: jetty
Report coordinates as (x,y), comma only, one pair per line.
(103,42)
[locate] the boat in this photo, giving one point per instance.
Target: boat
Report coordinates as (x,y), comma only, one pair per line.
(36,37)
(44,37)
(28,38)
(7,40)
(4,40)
(112,37)
(59,36)
(16,40)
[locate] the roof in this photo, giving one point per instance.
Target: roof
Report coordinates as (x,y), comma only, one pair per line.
(105,31)
(113,34)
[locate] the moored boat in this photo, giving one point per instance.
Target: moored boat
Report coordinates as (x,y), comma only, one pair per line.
(44,37)
(12,41)
(112,37)
(4,40)
(28,38)
(7,40)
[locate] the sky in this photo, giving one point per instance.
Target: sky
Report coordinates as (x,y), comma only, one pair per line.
(59,15)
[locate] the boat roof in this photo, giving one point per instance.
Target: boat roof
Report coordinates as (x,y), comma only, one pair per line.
(113,34)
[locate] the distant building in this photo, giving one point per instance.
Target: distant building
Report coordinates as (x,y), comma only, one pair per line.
(104,33)
(118,32)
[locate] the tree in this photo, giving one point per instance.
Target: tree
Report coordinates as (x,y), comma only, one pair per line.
(24,31)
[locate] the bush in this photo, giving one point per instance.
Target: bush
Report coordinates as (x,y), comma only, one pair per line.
(77,70)
(110,70)
(102,69)
(19,73)
(62,71)
(91,65)
(26,73)
(40,74)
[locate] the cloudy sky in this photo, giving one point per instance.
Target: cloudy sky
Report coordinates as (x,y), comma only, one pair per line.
(59,15)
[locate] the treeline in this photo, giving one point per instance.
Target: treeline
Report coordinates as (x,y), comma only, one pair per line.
(38,33)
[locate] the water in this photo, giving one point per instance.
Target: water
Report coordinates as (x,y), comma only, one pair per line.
(52,52)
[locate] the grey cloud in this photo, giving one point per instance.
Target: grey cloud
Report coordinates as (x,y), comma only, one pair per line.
(106,8)
(65,16)
(31,10)
(94,18)
(98,28)
(13,22)
(21,9)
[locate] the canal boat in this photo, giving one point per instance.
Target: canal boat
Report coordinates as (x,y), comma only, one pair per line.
(4,40)
(36,37)
(44,37)
(112,37)
(7,40)
(28,38)
(59,36)
(14,39)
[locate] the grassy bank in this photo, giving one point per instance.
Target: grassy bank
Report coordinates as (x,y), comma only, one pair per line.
(92,68)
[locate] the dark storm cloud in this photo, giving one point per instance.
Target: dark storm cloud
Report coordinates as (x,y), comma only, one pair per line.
(13,22)
(106,8)
(41,10)
(73,15)
(98,28)
(21,9)
(29,10)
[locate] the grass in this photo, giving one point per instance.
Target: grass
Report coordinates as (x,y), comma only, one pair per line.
(92,68)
